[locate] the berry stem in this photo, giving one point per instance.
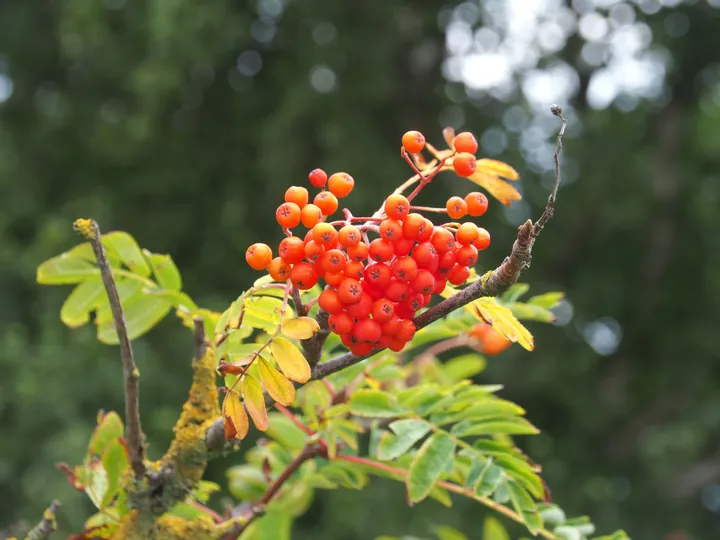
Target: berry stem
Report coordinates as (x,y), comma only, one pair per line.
(426,180)
(429,209)
(406,157)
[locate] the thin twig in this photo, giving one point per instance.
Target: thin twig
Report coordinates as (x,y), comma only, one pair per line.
(308,453)
(200,343)
(133,429)
(550,207)
(47,524)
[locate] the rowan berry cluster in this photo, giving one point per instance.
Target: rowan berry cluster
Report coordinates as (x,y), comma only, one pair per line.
(374,287)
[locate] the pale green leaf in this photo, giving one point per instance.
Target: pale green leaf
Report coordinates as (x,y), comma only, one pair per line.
(493,530)
(128,250)
(406,434)
(110,427)
(464,366)
(547,300)
(374,404)
(443,532)
(428,465)
(115,461)
(64,270)
(84,298)
(166,273)
(491,426)
(141,314)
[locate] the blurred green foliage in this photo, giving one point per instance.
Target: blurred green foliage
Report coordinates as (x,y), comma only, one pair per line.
(183,123)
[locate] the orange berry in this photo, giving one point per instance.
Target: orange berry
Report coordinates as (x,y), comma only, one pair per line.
(349,236)
(341,184)
(467,233)
(288,215)
(397,291)
(424,282)
(397,206)
(483,239)
(324,234)
(442,239)
(297,195)
(413,142)
(464,164)
(334,260)
(362,308)
(311,215)
(480,330)
(413,225)
(425,255)
(425,231)
(313,251)
(391,229)
(465,142)
(458,274)
(317,177)
(381,250)
(354,269)
(334,279)
(350,291)
(467,255)
(278,269)
(406,330)
(341,323)
(477,203)
(404,268)
(327,202)
(329,300)
(456,207)
(258,256)
(367,331)
(358,252)
(378,275)
(303,276)
(291,249)
(494,342)
(383,310)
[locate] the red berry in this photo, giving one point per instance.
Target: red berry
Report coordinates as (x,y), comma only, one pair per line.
(258,256)
(291,249)
(467,255)
(334,279)
(354,269)
(440,286)
(442,239)
(396,345)
(350,291)
(425,255)
(374,292)
(464,164)
(483,239)
(358,252)
(413,142)
(391,229)
(333,260)
(383,310)
(329,300)
(404,268)
(404,310)
(397,206)
(381,250)
(406,330)
(361,309)
(367,331)
(424,282)
(413,302)
(341,323)
(391,327)
(298,195)
(403,246)
(458,274)
(361,349)
(426,230)
(303,276)
(317,177)
(465,142)
(378,275)
(313,251)
(477,203)
(397,291)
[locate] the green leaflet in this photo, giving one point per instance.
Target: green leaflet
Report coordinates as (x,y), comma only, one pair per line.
(141,314)
(84,298)
(63,270)
(166,273)
(406,434)
(128,250)
(374,404)
(428,465)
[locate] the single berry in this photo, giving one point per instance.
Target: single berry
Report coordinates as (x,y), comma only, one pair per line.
(456,207)
(358,252)
(425,231)
(341,184)
(458,274)
(291,249)
(404,268)
(349,236)
(413,225)
(278,269)
(483,239)
(397,206)
(406,330)
(397,291)
(361,349)
(374,292)
(341,323)
(354,269)
(313,251)
(391,327)
(378,275)
(381,250)
(317,177)
(413,302)
(297,195)
(350,291)
(477,203)
(311,215)
(465,142)
(424,282)
(334,279)
(303,276)
(402,246)
(464,164)
(329,300)
(391,229)
(383,310)
(327,202)
(288,215)
(397,345)
(425,255)
(413,142)
(442,239)
(440,286)
(467,233)
(333,260)
(467,255)
(361,309)
(258,256)
(324,234)
(367,331)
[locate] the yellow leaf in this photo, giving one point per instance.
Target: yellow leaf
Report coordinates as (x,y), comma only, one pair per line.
(255,401)
(497,187)
(276,384)
(496,168)
(291,360)
(235,417)
(300,327)
(503,320)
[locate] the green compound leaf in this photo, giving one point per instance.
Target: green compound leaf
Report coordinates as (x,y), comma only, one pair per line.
(428,466)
